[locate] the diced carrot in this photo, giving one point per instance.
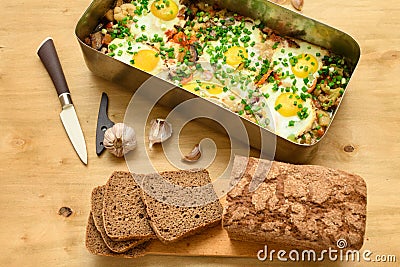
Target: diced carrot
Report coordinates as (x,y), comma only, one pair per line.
(107,39)
(264,78)
(186,80)
(311,89)
(320,132)
(277,78)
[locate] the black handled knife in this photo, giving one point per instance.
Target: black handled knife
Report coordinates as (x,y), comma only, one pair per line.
(48,55)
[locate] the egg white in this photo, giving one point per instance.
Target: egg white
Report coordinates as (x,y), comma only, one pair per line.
(255,53)
(280,64)
(281,59)
(279,122)
(227,99)
(154,25)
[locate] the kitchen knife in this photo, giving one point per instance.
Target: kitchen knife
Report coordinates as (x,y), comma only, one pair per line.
(48,55)
(103,123)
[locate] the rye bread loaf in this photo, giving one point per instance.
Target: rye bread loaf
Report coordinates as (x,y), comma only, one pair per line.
(169,219)
(95,244)
(301,206)
(97,212)
(124,213)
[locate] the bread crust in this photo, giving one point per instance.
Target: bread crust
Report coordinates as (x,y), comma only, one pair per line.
(97,212)
(95,244)
(300,206)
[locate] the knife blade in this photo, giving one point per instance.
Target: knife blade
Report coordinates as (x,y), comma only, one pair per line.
(103,123)
(48,55)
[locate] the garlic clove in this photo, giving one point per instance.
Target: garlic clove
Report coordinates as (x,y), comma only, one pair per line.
(280,2)
(298,4)
(194,155)
(160,131)
(120,139)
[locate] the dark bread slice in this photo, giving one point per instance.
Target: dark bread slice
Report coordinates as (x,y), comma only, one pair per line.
(124,213)
(97,212)
(170,221)
(95,244)
(301,206)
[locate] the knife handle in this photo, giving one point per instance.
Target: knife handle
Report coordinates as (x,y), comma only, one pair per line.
(48,55)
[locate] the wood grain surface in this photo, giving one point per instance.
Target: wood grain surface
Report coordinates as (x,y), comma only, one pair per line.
(40,172)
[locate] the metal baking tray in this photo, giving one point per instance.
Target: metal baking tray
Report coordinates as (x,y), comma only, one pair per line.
(281,19)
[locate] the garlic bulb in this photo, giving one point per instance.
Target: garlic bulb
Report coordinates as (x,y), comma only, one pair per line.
(160,131)
(120,139)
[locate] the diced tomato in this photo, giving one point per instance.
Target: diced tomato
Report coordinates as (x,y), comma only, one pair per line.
(181,38)
(109,25)
(317,104)
(170,33)
(238,17)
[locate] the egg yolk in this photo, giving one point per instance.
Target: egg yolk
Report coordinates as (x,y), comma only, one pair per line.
(306,64)
(146,60)
(192,87)
(164,9)
(212,89)
(235,55)
(287,104)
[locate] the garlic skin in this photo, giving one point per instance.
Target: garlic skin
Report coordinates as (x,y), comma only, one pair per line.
(298,4)
(120,139)
(280,2)
(194,155)
(160,131)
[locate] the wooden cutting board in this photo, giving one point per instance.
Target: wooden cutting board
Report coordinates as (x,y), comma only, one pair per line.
(212,242)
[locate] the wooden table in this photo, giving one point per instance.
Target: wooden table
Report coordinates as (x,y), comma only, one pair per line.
(40,172)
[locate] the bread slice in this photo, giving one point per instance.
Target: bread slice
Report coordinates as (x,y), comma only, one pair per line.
(300,206)
(169,219)
(95,244)
(124,213)
(97,212)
